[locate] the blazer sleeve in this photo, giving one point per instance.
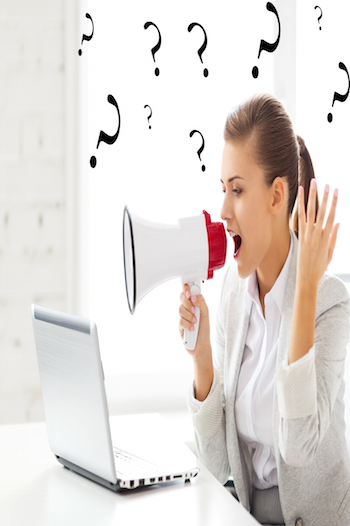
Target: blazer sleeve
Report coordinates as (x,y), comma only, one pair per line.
(209,419)
(307,391)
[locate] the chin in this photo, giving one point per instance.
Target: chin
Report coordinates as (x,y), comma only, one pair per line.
(243,273)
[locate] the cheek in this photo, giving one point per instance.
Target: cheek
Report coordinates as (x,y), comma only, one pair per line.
(249,217)
(254,213)
(253,228)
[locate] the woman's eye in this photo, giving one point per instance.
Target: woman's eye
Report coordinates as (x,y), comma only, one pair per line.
(236,191)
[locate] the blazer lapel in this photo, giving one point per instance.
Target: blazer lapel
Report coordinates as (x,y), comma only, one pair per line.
(287,312)
(284,339)
(237,327)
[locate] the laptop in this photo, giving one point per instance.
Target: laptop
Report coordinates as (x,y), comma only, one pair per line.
(77,418)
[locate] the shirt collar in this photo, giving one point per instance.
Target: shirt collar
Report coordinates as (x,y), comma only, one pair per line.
(279,288)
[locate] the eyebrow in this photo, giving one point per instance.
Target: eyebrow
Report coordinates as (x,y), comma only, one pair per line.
(232,179)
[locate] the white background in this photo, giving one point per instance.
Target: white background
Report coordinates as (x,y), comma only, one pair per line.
(157,171)
(60,221)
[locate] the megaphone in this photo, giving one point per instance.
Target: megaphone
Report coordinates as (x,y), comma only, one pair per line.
(154,253)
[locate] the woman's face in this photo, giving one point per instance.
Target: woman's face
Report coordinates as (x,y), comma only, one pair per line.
(246,207)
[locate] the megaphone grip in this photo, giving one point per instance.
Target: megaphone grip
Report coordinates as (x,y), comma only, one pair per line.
(190,337)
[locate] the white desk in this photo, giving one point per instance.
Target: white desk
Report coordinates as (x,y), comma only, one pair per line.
(36,490)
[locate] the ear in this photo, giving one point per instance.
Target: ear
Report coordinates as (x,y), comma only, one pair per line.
(278,195)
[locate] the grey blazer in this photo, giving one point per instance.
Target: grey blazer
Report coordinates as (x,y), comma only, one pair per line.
(313,461)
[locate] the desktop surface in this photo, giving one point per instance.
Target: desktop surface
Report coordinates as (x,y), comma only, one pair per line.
(36,490)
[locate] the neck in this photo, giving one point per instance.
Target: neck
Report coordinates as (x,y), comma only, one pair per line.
(272,264)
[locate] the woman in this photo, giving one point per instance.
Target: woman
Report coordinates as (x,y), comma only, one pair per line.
(267,403)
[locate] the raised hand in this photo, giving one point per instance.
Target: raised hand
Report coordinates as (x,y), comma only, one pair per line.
(316,242)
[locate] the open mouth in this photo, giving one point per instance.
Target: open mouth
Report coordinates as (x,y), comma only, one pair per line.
(238,241)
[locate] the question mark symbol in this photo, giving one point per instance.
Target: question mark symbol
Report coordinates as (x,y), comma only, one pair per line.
(87,37)
(266,46)
(148,118)
(201,148)
(156,47)
(338,96)
(103,137)
(319,18)
(203,47)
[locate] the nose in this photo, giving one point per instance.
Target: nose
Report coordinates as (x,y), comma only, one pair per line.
(226,213)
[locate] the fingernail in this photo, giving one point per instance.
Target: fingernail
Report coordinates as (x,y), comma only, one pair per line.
(336,192)
(313,183)
(193,309)
(326,189)
(194,299)
(192,328)
(188,294)
(300,190)
(194,319)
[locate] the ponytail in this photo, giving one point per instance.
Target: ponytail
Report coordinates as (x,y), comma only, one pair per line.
(305,174)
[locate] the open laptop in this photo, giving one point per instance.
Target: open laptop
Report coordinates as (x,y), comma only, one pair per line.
(76,411)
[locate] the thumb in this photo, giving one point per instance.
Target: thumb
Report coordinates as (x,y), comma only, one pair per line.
(199,301)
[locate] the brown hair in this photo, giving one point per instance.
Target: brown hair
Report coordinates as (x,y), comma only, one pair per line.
(263,120)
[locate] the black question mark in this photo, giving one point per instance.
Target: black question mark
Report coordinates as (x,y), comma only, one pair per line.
(103,137)
(149,116)
(203,47)
(266,46)
(319,18)
(157,46)
(201,148)
(87,37)
(338,96)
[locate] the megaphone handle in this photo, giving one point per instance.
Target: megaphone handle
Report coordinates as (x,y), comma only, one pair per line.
(190,337)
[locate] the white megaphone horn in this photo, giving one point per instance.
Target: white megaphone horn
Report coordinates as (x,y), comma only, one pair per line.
(154,253)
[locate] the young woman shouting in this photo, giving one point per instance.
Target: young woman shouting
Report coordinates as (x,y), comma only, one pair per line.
(267,399)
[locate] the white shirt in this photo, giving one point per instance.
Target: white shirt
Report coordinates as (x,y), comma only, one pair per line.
(255,388)
(256,382)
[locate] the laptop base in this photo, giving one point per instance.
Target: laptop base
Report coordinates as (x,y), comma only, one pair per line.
(130,484)
(88,474)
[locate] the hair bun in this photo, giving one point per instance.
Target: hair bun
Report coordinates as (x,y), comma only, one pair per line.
(301,145)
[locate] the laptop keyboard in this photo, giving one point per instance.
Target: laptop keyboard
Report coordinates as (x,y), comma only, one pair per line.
(127,464)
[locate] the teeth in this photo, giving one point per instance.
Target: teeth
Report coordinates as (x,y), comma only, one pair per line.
(238,241)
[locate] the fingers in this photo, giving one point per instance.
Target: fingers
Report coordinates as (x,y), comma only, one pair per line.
(187,310)
(322,210)
(186,300)
(311,204)
(311,209)
(301,210)
(331,216)
(187,318)
(191,301)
